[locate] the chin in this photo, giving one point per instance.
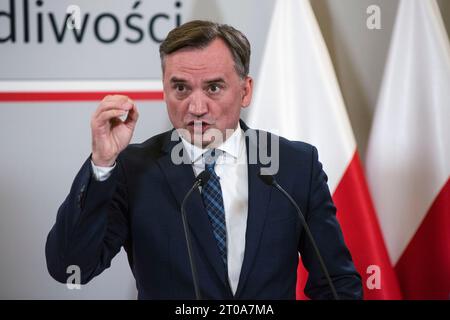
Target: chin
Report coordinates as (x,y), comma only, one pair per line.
(200,142)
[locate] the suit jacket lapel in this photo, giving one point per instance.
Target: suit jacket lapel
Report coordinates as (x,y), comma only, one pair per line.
(258,200)
(181,178)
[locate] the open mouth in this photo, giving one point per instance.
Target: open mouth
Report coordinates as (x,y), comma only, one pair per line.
(199,126)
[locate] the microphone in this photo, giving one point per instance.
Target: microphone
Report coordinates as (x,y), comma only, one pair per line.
(200,180)
(270,180)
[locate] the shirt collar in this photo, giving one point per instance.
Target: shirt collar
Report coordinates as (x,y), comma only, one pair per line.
(231,146)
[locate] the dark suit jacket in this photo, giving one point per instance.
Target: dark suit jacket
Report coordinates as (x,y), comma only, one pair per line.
(138,208)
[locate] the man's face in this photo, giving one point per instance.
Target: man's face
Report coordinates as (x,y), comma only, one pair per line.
(203,91)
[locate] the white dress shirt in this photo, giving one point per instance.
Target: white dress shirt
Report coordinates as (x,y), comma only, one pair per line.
(231,167)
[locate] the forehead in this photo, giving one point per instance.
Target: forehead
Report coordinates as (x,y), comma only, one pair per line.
(216,58)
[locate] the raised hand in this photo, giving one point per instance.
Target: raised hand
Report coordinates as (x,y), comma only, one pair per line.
(111,134)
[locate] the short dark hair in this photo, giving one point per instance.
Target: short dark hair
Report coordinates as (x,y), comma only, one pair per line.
(199,33)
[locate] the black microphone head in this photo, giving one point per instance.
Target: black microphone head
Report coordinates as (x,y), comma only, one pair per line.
(267,178)
(203,178)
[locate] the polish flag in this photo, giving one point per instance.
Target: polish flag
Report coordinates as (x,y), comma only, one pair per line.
(297,96)
(408,159)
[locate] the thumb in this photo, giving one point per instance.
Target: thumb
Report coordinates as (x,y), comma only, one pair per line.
(132,116)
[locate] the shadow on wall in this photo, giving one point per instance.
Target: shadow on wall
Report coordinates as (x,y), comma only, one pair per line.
(445,12)
(359,81)
(206,9)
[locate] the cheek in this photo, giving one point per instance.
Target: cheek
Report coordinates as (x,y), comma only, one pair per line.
(175,113)
(176,107)
(235,108)
(228,109)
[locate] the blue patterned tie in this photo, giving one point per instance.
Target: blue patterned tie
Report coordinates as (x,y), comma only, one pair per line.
(213,202)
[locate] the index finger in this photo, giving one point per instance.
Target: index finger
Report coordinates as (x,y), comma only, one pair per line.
(120,102)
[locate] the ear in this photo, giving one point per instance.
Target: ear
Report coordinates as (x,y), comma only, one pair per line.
(247,91)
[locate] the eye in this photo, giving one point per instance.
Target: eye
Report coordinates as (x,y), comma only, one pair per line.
(179,87)
(214,88)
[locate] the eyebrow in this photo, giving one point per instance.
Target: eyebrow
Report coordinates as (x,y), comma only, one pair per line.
(214,80)
(177,80)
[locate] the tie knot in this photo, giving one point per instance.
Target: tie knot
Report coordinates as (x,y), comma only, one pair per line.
(210,158)
(210,168)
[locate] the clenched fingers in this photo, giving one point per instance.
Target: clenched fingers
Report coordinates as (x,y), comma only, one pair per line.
(114,102)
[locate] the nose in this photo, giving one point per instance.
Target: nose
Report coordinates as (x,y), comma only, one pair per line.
(198,105)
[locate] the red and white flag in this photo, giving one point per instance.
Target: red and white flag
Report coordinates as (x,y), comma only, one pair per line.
(297,96)
(408,159)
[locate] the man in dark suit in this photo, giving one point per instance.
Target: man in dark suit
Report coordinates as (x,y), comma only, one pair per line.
(246,237)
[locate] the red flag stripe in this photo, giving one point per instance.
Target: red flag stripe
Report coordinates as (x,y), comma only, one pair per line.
(424,267)
(76,96)
(362,233)
(356,215)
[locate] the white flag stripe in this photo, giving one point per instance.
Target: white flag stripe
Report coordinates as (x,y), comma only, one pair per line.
(408,160)
(304,92)
(80,86)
